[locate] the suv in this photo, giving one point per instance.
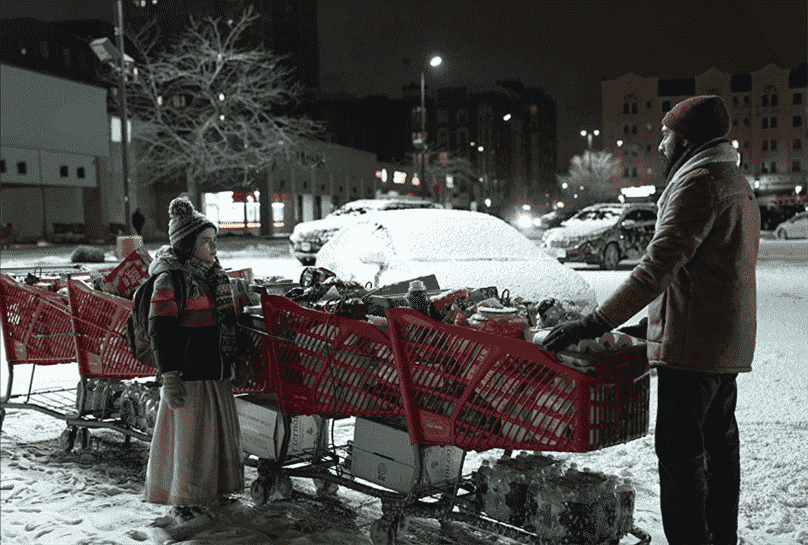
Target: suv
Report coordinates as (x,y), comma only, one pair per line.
(308,237)
(603,234)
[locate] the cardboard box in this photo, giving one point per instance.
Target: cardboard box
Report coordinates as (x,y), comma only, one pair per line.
(262,429)
(382,454)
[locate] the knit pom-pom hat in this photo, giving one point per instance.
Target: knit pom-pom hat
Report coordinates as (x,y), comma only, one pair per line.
(699,119)
(184,226)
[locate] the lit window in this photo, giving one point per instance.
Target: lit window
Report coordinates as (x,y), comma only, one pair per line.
(63,171)
(796,121)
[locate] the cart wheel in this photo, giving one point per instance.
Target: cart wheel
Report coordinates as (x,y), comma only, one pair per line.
(259,491)
(389,530)
(282,489)
(83,437)
(68,439)
(325,488)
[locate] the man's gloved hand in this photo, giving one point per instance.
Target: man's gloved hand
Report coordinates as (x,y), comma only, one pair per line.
(639,331)
(563,335)
(173,389)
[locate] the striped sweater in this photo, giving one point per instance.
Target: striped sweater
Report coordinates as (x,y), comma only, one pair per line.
(186,341)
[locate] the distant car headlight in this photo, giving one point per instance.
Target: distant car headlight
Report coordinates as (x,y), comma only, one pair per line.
(524,221)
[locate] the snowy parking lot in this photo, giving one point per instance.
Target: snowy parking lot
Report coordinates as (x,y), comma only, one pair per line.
(93,496)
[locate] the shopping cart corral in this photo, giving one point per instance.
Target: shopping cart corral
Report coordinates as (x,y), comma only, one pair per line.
(426,393)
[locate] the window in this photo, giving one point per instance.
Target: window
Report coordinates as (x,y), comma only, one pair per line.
(648,105)
(634,108)
(746,99)
(764,169)
(764,100)
(764,123)
(625,129)
(746,144)
(774,167)
(22,168)
(774,145)
(63,171)
(796,167)
(443,138)
(774,122)
(775,99)
(796,121)
(735,122)
(634,129)
(666,105)
(735,100)
(797,98)
(648,148)
(2,166)
(625,107)
(797,144)
(626,172)
(80,172)
(764,145)
(747,122)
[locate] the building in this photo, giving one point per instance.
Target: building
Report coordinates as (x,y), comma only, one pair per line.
(769,117)
(54,156)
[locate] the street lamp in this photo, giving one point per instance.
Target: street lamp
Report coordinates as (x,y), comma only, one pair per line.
(105,52)
(588,135)
(434,61)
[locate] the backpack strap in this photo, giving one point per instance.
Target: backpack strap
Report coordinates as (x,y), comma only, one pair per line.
(180,294)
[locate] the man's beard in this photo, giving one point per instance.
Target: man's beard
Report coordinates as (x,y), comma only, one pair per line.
(679,149)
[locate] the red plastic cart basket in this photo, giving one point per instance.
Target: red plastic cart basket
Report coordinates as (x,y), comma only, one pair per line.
(36,324)
(99,320)
(252,337)
(480,391)
(329,365)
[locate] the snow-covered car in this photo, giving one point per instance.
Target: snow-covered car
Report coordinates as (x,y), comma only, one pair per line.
(462,249)
(308,237)
(796,227)
(603,234)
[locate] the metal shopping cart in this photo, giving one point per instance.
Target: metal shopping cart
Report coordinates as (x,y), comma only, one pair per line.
(445,390)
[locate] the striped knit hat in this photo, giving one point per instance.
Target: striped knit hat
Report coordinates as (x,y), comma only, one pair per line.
(184,226)
(699,119)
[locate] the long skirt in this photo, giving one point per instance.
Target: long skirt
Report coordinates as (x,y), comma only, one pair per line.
(196,450)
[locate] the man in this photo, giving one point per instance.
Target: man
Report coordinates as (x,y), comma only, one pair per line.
(138,219)
(698,279)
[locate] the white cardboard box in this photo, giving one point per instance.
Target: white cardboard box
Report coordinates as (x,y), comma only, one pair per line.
(262,428)
(382,454)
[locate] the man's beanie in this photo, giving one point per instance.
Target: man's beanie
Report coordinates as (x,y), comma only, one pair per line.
(699,119)
(184,226)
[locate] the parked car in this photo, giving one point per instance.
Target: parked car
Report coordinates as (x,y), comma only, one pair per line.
(603,234)
(796,227)
(308,237)
(462,249)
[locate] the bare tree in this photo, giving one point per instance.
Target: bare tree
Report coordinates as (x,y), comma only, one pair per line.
(442,165)
(210,110)
(596,172)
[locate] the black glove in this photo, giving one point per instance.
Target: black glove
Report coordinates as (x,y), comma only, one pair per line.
(639,331)
(563,335)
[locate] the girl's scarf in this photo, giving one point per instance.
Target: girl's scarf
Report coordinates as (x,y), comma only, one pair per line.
(201,277)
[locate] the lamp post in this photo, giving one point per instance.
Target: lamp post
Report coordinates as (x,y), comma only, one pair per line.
(434,61)
(106,52)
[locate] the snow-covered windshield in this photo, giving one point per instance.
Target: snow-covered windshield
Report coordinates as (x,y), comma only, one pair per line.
(596,214)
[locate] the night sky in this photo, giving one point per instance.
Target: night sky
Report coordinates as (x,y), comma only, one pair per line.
(565,47)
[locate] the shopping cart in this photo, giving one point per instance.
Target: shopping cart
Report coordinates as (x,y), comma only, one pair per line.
(37,330)
(456,388)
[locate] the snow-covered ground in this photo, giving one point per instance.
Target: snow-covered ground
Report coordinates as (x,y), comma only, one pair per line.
(93,496)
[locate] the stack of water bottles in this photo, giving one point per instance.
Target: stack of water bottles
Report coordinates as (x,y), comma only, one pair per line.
(554,500)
